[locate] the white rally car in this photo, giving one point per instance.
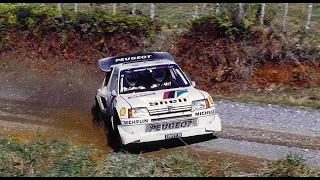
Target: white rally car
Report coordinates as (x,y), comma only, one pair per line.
(147,97)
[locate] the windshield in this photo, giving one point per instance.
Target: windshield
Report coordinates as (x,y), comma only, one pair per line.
(151,79)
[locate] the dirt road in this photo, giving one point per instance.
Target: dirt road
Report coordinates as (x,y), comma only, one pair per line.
(59,106)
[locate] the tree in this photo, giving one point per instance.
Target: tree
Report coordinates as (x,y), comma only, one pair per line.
(241,10)
(114,7)
(75,7)
(152,11)
(285,16)
(262,13)
(59,6)
(134,8)
(308,18)
(217,8)
(196,13)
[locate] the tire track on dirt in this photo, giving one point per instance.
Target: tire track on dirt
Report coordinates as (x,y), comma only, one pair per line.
(270,137)
(261,150)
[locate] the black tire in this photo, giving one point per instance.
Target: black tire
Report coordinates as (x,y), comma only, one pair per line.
(114,139)
(96,114)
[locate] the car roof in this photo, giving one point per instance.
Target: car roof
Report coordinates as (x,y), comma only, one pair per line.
(123,66)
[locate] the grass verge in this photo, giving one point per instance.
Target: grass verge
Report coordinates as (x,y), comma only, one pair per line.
(60,159)
(288,96)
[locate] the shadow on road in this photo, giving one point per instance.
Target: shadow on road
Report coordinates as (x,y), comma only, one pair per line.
(166,144)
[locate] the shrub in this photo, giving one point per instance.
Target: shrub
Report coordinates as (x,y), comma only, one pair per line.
(46,18)
(290,166)
(222,26)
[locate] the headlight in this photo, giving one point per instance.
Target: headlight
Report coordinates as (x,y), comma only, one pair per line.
(137,112)
(200,104)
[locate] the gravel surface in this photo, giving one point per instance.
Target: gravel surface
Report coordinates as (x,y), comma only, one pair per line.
(293,120)
(259,130)
(267,151)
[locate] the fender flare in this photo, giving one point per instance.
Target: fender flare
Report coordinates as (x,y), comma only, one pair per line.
(113,123)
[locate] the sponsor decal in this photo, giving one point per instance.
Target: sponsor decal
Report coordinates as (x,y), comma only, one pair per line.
(171,125)
(133,58)
(140,95)
(210,99)
(137,121)
(174,94)
(204,113)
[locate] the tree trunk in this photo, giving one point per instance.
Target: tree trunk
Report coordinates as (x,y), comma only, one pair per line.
(152,11)
(196,13)
(134,8)
(59,6)
(308,18)
(262,13)
(285,16)
(217,8)
(75,7)
(60,9)
(241,10)
(114,7)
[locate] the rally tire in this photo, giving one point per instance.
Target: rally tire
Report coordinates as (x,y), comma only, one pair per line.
(96,113)
(114,139)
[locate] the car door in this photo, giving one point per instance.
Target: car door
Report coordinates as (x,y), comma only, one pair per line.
(113,85)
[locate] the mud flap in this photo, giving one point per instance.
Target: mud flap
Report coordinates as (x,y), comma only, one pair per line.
(126,137)
(214,124)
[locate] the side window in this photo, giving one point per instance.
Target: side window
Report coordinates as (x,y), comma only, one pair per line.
(113,85)
(187,75)
(107,78)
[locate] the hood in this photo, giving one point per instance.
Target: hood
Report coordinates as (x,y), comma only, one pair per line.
(142,99)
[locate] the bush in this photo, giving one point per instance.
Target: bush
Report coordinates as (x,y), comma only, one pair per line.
(222,26)
(46,18)
(290,166)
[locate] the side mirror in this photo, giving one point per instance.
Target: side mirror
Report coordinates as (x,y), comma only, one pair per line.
(193,84)
(114,93)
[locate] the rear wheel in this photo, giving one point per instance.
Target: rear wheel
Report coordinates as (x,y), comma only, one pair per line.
(96,113)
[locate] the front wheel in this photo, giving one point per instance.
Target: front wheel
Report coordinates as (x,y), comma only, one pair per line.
(114,139)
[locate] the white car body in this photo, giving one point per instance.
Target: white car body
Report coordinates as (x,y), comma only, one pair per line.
(167,117)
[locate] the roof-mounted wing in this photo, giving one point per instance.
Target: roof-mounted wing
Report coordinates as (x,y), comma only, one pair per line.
(105,63)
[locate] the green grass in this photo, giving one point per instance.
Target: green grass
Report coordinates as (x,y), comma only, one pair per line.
(290,166)
(60,159)
(307,97)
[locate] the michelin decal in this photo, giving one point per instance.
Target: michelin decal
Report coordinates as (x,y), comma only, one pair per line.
(136,121)
(204,113)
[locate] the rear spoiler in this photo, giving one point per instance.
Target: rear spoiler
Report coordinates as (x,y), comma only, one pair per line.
(106,63)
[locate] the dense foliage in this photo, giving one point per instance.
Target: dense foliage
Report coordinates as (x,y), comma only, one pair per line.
(223,26)
(45,32)
(50,19)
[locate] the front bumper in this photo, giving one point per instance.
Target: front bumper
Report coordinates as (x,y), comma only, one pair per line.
(209,124)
